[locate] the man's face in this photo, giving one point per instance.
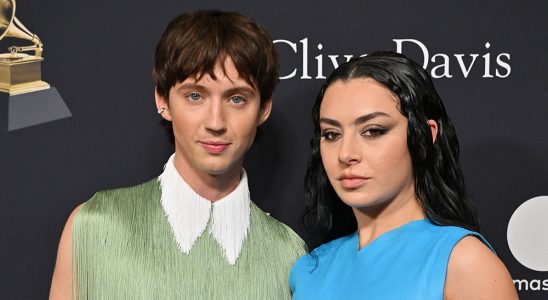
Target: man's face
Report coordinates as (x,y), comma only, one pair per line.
(214,121)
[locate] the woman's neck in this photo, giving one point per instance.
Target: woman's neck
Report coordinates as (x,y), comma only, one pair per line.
(373,221)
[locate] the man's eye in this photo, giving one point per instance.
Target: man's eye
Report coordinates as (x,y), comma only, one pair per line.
(237,99)
(194,96)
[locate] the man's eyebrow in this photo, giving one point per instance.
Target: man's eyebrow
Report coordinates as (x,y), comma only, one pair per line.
(241,90)
(191,86)
(360,120)
(198,87)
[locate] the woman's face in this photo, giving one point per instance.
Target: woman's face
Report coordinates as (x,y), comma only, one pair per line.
(364,144)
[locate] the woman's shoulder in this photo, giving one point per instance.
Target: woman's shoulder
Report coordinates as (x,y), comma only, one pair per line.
(474,270)
(326,251)
(452,234)
(333,246)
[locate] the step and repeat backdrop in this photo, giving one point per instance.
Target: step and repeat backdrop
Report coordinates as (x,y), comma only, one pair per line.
(488,60)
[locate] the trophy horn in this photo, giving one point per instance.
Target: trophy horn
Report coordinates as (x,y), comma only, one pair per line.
(10,26)
(19,72)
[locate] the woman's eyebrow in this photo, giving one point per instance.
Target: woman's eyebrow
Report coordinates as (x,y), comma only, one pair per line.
(330,122)
(362,119)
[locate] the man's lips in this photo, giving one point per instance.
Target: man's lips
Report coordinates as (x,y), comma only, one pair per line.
(352,181)
(214,147)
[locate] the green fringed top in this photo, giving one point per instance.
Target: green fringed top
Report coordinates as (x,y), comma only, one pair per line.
(123,248)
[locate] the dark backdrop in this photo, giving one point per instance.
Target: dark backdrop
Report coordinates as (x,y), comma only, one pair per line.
(99,56)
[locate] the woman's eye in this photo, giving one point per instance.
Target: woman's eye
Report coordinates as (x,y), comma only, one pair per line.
(374,131)
(237,99)
(330,135)
(194,96)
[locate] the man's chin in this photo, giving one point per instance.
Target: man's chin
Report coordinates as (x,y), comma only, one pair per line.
(218,166)
(220,170)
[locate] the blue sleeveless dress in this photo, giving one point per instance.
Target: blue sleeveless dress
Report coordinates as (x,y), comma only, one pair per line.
(409,262)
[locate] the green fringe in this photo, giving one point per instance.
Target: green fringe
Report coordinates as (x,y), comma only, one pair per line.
(123,248)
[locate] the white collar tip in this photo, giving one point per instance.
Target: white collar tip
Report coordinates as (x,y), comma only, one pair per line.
(189,214)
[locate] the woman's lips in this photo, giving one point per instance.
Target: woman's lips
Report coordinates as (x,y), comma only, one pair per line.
(352,182)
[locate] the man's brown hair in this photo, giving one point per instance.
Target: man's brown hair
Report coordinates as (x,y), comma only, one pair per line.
(194,43)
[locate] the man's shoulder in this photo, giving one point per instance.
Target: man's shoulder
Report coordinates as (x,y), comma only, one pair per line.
(274,229)
(266,220)
(122,197)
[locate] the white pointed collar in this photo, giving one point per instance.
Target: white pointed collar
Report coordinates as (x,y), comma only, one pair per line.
(188,213)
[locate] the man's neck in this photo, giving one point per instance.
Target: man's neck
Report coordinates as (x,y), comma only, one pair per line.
(211,187)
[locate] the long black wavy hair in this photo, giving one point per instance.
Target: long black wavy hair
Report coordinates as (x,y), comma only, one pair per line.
(439,182)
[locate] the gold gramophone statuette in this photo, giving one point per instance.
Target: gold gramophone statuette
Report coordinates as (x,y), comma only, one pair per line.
(19,72)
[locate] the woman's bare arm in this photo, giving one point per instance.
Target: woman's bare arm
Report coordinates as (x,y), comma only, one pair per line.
(475,272)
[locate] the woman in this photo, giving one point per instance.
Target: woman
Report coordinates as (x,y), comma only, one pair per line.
(386,195)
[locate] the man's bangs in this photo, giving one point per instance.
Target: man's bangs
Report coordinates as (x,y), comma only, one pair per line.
(206,64)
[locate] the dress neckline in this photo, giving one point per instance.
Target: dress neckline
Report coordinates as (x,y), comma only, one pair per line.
(387,235)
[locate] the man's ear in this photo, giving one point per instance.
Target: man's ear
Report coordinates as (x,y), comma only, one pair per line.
(434,128)
(162,106)
(264,112)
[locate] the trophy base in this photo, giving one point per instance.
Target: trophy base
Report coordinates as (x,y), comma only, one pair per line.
(23,88)
(29,109)
(21,73)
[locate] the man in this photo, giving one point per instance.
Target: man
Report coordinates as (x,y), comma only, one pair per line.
(192,233)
